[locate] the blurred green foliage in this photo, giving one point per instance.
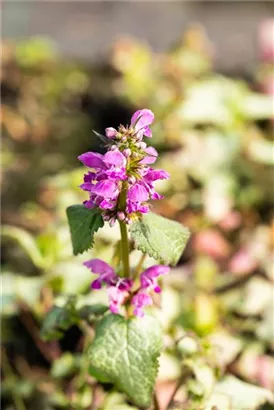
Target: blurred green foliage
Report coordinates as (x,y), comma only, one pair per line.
(215,138)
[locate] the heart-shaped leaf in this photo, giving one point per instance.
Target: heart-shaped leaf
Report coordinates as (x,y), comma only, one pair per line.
(125,352)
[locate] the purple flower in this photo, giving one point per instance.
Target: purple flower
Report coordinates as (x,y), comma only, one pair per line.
(117,287)
(137,193)
(125,166)
(151,156)
(104,270)
(92,160)
(141,120)
(149,277)
(105,189)
(140,301)
(155,175)
(116,298)
(110,132)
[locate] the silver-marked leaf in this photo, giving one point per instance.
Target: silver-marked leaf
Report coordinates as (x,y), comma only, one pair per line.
(125,352)
(83,224)
(159,237)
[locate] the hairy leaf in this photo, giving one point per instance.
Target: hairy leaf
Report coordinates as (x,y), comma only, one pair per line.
(83,224)
(125,352)
(160,238)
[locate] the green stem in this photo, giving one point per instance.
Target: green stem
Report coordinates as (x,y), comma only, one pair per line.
(124,236)
(124,249)
(140,264)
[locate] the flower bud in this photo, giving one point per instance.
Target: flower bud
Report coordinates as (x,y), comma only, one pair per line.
(127,152)
(121,215)
(123,139)
(113,148)
(112,221)
(141,145)
(110,132)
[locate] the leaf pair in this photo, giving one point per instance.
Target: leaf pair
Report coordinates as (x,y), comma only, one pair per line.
(159,237)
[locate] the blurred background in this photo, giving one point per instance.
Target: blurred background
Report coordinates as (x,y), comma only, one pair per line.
(206,69)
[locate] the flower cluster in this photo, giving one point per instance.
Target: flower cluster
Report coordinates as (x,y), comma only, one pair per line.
(121,181)
(121,290)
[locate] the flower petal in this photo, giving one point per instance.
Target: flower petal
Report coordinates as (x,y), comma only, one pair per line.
(106,189)
(137,193)
(141,120)
(115,158)
(96,284)
(151,157)
(146,118)
(92,160)
(140,301)
(98,266)
(156,174)
(155,271)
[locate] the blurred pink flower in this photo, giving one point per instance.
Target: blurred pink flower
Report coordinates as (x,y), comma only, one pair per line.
(242,262)
(212,243)
(266,40)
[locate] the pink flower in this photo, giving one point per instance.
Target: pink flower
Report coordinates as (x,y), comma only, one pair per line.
(140,301)
(123,166)
(151,156)
(104,270)
(266,40)
(110,132)
(117,287)
(116,298)
(242,262)
(212,243)
(92,160)
(137,193)
(149,277)
(141,120)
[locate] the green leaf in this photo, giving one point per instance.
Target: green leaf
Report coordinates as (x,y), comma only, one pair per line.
(58,320)
(83,223)
(242,395)
(161,238)
(125,352)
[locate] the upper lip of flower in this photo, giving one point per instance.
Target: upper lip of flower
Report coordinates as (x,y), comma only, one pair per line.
(141,120)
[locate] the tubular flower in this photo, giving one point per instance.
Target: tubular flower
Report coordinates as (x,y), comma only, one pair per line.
(120,290)
(140,301)
(149,277)
(124,168)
